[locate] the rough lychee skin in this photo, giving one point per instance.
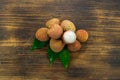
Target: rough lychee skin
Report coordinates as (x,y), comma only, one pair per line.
(56,45)
(55,31)
(82,35)
(68,25)
(52,21)
(69,37)
(74,46)
(41,34)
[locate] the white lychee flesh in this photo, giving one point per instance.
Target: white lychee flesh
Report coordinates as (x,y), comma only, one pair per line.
(69,37)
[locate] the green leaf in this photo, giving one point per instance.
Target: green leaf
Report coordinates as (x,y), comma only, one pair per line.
(52,55)
(38,44)
(64,56)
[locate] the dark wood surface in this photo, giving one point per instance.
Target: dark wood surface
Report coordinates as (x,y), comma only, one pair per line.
(98,59)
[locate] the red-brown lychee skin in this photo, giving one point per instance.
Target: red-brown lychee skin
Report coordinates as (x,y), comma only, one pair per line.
(68,25)
(55,31)
(56,45)
(82,35)
(52,21)
(41,34)
(74,46)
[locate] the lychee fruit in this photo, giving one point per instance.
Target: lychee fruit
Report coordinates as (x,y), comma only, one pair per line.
(56,45)
(69,37)
(55,31)
(68,25)
(41,34)
(52,21)
(82,35)
(74,46)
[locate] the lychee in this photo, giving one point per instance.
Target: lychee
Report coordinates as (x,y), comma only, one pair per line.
(56,45)
(52,21)
(68,25)
(82,35)
(41,34)
(74,46)
(69,37)
(55,31)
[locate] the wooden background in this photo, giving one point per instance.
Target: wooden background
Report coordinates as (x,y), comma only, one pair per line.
(98,59)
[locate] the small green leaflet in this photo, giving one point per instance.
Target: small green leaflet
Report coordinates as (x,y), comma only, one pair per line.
(38,44)
(52,55)
(64,56)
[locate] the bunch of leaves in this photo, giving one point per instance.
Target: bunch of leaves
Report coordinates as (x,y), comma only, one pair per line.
(63,55)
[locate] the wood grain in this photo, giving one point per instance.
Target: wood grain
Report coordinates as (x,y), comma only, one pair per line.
(99,58)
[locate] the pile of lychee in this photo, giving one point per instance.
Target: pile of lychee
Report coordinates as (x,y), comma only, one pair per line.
(61,34)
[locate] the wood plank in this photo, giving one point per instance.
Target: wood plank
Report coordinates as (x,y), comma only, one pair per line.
(98,59)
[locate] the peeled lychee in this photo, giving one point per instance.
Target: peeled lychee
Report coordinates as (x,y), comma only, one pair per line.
(55,31)
(82,35)
(69,37)
(52,21)
(68,25)
(42,35)
(74,46)
(56,45)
